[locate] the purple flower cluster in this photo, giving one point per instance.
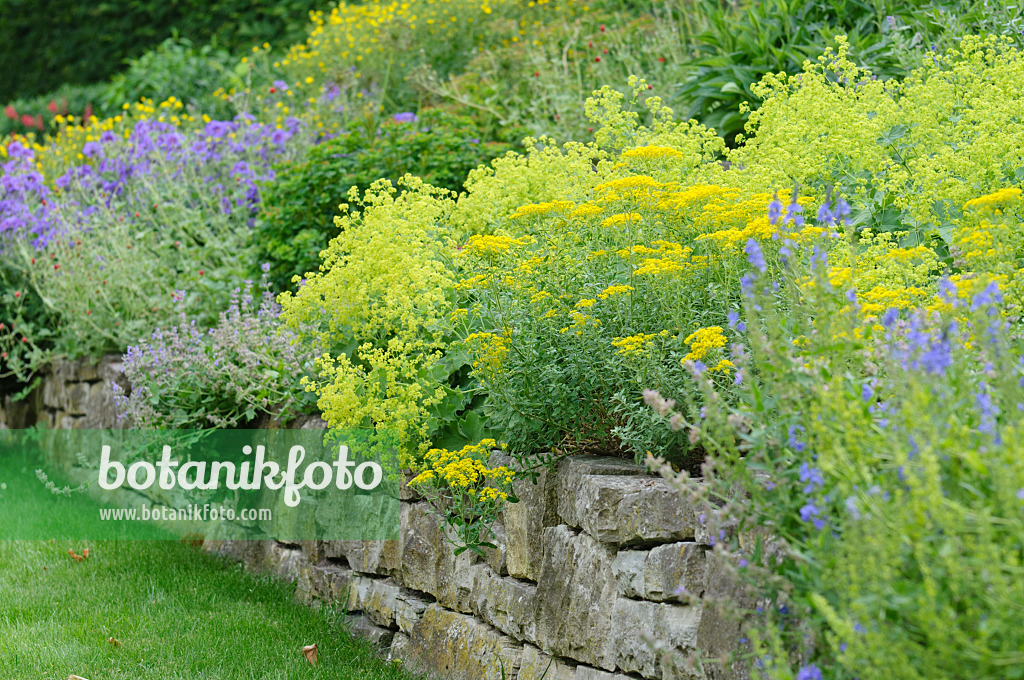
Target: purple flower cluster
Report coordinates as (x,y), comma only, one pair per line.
(225,160)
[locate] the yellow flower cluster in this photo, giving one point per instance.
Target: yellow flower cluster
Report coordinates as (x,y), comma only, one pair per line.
(465,470)
(669,258)
(622,219)
(652,153)
(634,344)
(587,210)
(703,341)
(631,188)
(491,244)
(995,200)
(611,291)
(540,209)
(491,350)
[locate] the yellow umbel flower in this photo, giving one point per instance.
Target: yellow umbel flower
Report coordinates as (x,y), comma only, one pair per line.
(540,209)
(491,245)
(703,341)
(621,219)
(995,200)
(652,153)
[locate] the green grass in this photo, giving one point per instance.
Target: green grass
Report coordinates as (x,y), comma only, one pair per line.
(178,612)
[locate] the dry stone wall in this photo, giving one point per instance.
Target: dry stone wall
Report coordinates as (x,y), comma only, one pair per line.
(601,571)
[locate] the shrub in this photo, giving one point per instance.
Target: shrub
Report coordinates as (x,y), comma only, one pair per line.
(186,377)
(146,211)
(381,306)
(303,197)
(907,153)
(877,457)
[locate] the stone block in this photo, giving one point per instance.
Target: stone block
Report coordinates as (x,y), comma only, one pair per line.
(573,473)
(497,558)
(100,408)
(388,604)
(111,369)
(428,560)
(524,523)
(589,673)
(575,597)
(506,603)
(333,584)
(721,626)
(629,510)
(656,574)
(459,647)
(75,398)
(362,627)
(674,626)
(369,557)
(538,665)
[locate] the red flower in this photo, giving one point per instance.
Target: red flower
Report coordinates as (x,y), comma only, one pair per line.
(602,28)
(536,74)
(661,59)
(273,90)
(597,58)
(17,293)
(11,112)
(52,107)
(202,271)
(56,266)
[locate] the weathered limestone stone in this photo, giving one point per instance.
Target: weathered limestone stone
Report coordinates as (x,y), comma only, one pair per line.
(674,626)
(524,521)
(52,391)
(74,398)
(387,604)
(630,510)
(657,573)
(100,409)
(588,673)
(429,563)
(368,557)
(361,626)
(506,603)
(537,665)
(573,473)
(287,563)
(332,583)
(110,369)
(459,647)
(575,597)
(497,558)
(399,647)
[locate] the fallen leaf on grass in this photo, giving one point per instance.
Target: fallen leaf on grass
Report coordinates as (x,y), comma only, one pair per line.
(309,651)
(115,642)
(193,539)
(76,557)
(76,677)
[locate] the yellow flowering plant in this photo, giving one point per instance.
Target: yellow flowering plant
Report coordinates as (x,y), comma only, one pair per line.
(467,491)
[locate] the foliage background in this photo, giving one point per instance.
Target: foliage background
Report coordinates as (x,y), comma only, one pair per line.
(45,45)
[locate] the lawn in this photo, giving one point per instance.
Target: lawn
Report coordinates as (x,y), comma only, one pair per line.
(173,610)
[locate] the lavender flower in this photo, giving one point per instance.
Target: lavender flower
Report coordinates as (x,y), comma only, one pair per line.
(755,256)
